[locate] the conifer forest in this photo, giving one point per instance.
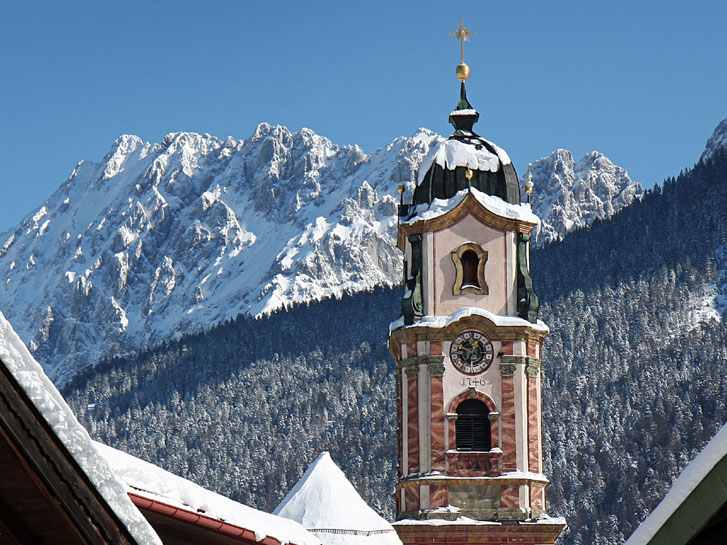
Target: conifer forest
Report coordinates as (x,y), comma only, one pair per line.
(635,381)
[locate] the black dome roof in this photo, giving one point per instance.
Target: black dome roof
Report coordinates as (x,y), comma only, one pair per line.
(443,179)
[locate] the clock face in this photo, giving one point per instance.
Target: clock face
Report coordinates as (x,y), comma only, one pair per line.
(471,352)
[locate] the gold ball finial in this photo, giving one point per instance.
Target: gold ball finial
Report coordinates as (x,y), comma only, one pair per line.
(469,174)
(463,71)
(529,185)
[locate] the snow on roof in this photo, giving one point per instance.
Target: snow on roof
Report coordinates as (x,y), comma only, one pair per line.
(439,207)
(465,111)
(324,501)
(451,154)
(444,321)
(693,474)
(153,482)
(51,405)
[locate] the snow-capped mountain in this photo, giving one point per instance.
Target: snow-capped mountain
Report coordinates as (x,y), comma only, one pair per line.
(570,194)
(718,141)
(159,240)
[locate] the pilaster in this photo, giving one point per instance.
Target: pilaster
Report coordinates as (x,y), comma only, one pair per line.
(412,418)
(535,457)
(507,418)
(436,372)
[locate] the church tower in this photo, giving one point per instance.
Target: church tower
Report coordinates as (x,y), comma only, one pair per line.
(468,349)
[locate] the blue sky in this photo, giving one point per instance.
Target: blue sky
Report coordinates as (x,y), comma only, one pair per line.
(644,82)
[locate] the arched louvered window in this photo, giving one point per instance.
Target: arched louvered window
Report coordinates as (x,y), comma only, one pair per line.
(470,262)
(473,425)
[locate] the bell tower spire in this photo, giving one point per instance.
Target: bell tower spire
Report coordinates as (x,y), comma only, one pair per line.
(464,115)
(463,35)
(468,350)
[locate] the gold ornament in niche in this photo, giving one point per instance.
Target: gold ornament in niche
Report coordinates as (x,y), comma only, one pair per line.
(469,262)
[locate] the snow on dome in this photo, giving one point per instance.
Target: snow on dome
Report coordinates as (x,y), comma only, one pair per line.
(465,111)
(56,412)
(327,504)
(688,480)
(451,154)
(153,482)
(501,153)
(494,204)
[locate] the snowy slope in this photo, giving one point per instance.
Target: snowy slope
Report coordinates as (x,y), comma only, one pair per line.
(74,437)
(162,239)
(718,141)
(570,194)
(155,483)
(327,504)
(158,240)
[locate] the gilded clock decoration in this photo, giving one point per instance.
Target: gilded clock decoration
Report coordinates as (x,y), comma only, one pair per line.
(471,352)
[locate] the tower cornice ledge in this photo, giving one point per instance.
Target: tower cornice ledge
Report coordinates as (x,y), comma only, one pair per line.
(465,531)
(495,326)
(510,477)
(490,210)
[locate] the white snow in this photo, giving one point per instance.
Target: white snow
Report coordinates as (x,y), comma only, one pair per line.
(708,302)
(444,321)
(451,154)
(326,503)
(49,402)
(680,489)
(501,153)
(466,111)
(524,475)
(155,483)
(439,207)
(466,521)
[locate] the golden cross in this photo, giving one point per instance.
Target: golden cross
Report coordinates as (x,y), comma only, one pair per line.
(462,34)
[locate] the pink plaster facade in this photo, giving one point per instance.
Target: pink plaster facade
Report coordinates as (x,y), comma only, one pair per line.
(504,483)
(500,284)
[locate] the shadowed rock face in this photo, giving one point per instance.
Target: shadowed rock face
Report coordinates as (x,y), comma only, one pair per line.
(571,194)
(158,240)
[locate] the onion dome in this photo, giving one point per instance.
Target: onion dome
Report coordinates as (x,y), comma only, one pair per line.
(465,160)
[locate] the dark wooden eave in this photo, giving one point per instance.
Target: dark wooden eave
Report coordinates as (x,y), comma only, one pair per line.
(45,497)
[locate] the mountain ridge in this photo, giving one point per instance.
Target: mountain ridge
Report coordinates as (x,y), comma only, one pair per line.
(158,239)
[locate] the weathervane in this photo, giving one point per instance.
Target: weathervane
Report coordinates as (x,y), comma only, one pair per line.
(462,34)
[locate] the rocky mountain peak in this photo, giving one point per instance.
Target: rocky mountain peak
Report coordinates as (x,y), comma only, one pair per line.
(161,239)
(718,141)
(570,194)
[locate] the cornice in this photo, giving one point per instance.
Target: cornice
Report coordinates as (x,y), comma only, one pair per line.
(469,205)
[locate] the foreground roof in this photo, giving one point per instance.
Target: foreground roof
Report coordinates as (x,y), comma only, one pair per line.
(159,490)
(19,367)
(325,502)
(695,505)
